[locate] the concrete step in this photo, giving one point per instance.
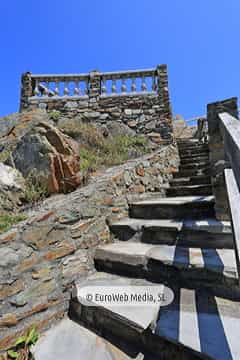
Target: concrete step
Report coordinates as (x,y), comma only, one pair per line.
(209,233)
(191,172)
(194,180)
(193,207)
(193,159)
(194,165)
(129,324)
(189,190)
(187,267)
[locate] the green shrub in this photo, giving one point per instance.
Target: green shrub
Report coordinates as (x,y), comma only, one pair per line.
(21,348)
(55,115)
(34,190)
(8,220)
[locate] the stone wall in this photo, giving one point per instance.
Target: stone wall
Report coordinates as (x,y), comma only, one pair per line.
(147,111)
(41,257)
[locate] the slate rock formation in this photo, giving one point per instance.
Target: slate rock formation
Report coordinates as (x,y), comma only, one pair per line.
(52,155)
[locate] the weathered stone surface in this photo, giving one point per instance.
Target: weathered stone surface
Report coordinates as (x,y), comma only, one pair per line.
(8,257)
(50,153)
(9,290)
(63,248)
(7,124)
(34,292)
(76,343)
(54,247)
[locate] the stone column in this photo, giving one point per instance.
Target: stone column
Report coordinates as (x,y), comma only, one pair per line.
(26,90)
(94,85)
(218,160)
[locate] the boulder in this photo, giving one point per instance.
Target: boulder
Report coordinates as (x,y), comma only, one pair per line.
(10,178)
(52,155)
(12,185)
(115,128)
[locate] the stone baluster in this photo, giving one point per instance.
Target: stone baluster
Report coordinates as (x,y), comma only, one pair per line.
(56,90)
(85,91)
(123,86)
(76,88)
(66,88)
(103,87)
(133,85)
(114,87)
(46,89)
(144,85)
(154,85)
(36,89)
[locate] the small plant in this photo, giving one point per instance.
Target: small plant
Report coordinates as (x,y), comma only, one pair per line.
(55,115)
(89,160)
(4,155)
(21,348)
(35,190)
(7,221)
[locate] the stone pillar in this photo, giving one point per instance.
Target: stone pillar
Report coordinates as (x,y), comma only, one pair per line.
(218,160)
(162,89)
(26,90)
(94,85)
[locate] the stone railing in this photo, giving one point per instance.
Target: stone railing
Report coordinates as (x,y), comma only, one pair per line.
(59,85)
(224,143)
(36,88)
(122,83)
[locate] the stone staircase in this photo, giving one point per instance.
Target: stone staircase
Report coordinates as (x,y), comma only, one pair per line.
(173,242)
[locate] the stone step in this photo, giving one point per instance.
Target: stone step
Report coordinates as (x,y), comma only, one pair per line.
(209,233)
(203,322)
(187,267)
(188,181)
(130,324)
(193,149)
(192,159)
(191,172)
(193,207)
(187,153)
(189,190)
(194,165)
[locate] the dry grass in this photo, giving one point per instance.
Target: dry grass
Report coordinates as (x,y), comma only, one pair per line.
(98,151)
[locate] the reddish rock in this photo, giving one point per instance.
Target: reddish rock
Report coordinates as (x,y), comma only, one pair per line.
(53,155)
(140,171)
(64,248)
(137,189)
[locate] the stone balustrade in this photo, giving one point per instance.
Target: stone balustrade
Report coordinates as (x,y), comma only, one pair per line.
(129,82)
(37,87)
(111,84)
(139,98)
(59,85)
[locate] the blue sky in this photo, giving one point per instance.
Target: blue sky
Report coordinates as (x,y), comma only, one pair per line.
(198,39)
